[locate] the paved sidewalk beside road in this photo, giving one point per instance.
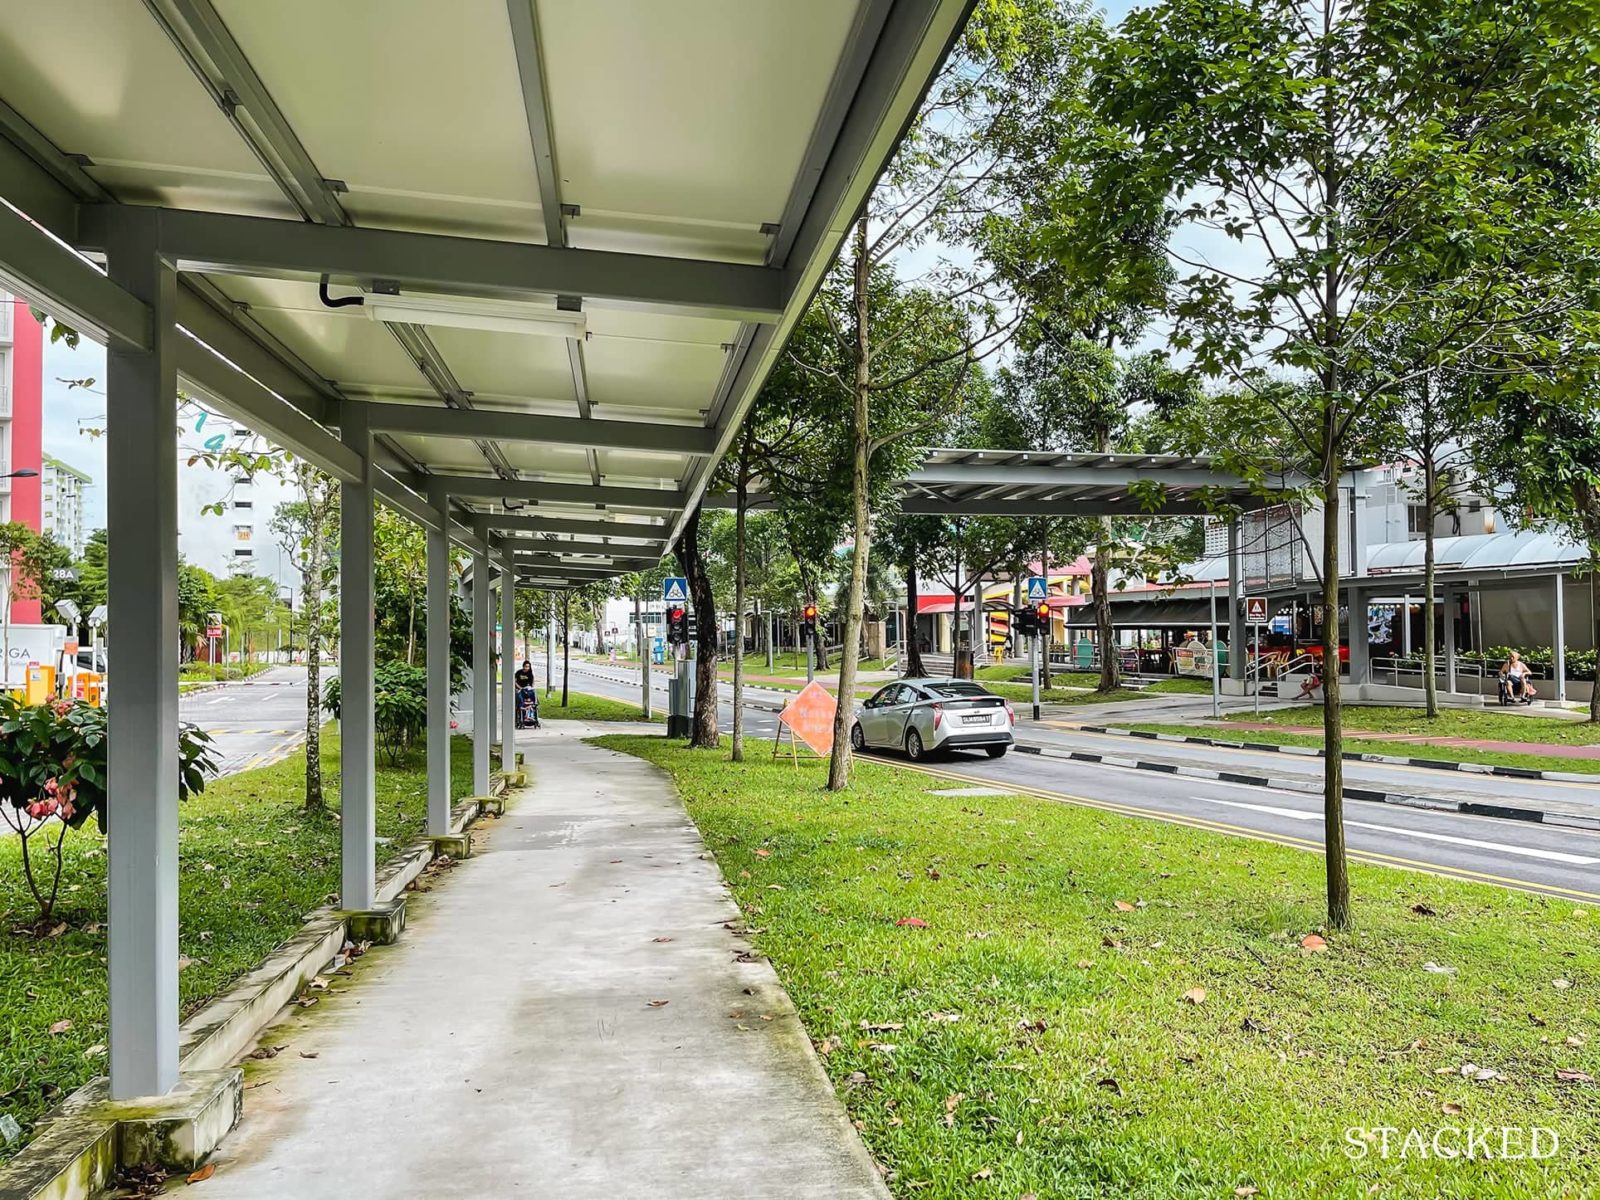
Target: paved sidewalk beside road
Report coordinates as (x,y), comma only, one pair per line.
(567,1014)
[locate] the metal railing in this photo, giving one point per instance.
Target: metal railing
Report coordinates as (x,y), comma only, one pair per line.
(1465,669)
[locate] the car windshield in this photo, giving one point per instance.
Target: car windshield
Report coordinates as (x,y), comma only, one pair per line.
(958,689)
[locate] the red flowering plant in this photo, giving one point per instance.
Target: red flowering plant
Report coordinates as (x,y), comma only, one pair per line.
(53,778)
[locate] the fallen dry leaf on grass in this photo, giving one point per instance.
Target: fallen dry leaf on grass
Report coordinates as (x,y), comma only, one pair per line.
(203,1174)
(1567,1075)
(763,852)
(912,922)
(60,1027)
(1561,985)
(1246,1190)
(1313,943)
(1123,906)
(1195,995)
(1450,1108)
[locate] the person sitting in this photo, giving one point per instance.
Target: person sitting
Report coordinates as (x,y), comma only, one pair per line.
(1516,681)
(1309,686)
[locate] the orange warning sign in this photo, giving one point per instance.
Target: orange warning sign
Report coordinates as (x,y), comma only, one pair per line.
(810,716)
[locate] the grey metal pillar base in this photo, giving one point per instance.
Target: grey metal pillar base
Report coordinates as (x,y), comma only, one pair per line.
(183,1127)
(452,845)
(381,925)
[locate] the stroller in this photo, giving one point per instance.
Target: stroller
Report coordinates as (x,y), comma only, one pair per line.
(528,708)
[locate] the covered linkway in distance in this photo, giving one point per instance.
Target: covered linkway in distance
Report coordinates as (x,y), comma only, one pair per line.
(514,268)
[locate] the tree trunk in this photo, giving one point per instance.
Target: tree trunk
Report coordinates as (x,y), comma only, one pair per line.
(1430,685)
(311,597)
(566,644)
(849,652)
(1105,634)
(914,667)
(703,729)
(1332,729)
(740,498)
(1594,616)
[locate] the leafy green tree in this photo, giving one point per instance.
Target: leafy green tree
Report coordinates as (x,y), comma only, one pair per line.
(1378,162)
(308,530)
(1540,443)
(400,584)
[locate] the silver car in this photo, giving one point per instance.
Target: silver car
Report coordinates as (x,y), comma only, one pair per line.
(927,716)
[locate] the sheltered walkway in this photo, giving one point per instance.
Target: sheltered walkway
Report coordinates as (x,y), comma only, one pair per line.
(509,1046)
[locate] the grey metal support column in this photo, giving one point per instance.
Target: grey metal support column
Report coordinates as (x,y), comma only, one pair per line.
(1558,648)
(1448,612)
(508,668)
(1360,647)
(438,657)
(357,724)
(482,688)
(1236,653)
(142,565)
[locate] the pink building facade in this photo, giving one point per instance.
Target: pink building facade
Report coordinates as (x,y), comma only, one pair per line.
(21,425)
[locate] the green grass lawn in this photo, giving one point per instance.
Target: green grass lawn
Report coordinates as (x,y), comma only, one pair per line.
(583,707)
(1450,723)
(1034,1038)
(251,864)
(792,664)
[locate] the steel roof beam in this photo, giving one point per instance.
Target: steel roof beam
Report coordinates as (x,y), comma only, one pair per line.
(227,244)
(940,475)
(577,528)
(525,546)
(923,506)
(536,104)
(40,269)
(498,425)
(479,487)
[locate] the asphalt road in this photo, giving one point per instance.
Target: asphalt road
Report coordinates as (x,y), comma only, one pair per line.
(254,723)
(1531,857)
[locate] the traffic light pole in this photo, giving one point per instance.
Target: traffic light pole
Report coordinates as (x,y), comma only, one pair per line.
(1034,664)
(811,659)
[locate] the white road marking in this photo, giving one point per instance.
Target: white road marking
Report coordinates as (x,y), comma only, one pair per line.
(1476,843)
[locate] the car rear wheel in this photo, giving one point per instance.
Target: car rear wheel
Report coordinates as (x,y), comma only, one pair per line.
(914,750)
(996,751)
(858,740)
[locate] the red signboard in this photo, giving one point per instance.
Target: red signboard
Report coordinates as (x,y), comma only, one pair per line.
(810,716)
(213,631)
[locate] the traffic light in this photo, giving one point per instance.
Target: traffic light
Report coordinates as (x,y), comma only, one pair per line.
(808,623)
(1041,617)
(677,625)
(1024,622)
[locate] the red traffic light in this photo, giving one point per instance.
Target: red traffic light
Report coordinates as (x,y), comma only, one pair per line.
(675,613)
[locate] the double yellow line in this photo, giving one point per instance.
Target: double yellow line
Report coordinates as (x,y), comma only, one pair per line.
(1281,839)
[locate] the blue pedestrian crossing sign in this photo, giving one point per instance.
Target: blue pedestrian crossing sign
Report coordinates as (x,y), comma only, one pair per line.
(674,588)
(1038,588)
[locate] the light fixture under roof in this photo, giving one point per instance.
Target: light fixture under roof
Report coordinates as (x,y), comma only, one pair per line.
(496,316)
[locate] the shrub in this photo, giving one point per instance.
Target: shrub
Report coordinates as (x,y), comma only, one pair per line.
(400,706)
(53,768)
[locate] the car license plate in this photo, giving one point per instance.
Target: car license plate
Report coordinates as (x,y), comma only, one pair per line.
(975,718)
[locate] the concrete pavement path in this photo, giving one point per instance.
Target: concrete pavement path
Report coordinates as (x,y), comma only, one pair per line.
(514,1042)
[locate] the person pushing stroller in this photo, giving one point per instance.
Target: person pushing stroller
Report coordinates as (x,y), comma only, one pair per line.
(527,697)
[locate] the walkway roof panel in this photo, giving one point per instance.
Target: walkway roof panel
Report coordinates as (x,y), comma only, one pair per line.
(633,200)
